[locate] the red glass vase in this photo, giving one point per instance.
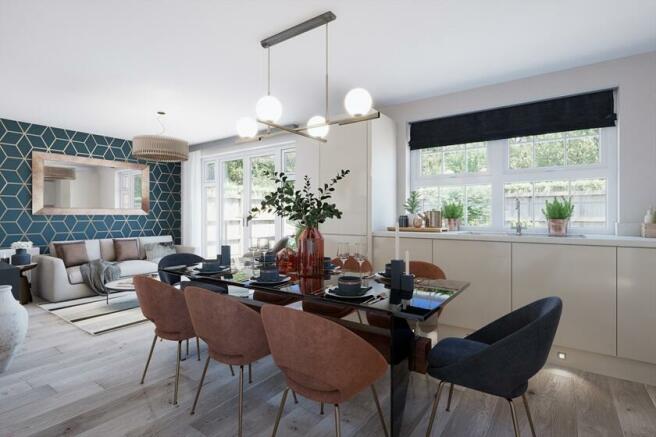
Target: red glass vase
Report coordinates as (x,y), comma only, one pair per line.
(310,253)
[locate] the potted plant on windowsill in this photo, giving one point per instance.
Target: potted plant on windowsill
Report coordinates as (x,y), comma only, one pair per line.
(412,206)
(558,213)
(307,210)
(452,212)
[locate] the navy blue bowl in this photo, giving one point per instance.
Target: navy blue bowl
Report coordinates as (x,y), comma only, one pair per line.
(349,285)
(269,275)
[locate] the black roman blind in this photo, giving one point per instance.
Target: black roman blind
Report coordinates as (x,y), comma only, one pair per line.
(584,111)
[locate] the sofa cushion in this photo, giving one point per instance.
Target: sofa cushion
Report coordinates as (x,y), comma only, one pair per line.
(92,246)
(74,275)
(137,267)
(157,251)
(153,239)
(73,254)
(126,249)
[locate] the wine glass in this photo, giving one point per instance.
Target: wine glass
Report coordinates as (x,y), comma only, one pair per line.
(343,253)
(360,255)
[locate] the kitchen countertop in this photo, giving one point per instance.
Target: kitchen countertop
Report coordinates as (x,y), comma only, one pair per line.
(509,236)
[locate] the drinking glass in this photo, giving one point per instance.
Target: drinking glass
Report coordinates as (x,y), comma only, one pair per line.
(343,253)
(360,255)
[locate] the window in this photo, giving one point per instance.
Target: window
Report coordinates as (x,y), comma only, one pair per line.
(489,177)
(128,185)
(232,185)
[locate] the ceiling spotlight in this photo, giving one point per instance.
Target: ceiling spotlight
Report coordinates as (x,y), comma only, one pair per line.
(317,127)
(246,127)
(268,108)
(358,102)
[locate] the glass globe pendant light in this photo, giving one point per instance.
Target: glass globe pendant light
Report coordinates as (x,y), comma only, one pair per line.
(317,127)
(269,108)
(358,102)
(246,127)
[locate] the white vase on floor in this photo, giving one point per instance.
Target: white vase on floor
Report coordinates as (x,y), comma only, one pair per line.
(13,326)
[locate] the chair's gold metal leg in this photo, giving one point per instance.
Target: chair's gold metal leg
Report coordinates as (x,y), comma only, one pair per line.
(434,411)
(281,408)
(250,373)
(187,353)
(241,400)
(321,411)
(359,316)
(198,348)
(528,413)
(448,402)
(177,374)
(380,410)
(200,384)
(294,396)
(232,371)
(150,355)
(338,431)
(514,417)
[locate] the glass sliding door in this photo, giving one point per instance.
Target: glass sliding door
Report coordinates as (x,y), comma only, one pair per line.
(232,205)
(262,227)
(234,184)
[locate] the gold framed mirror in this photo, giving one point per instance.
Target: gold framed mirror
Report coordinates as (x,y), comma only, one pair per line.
(74,185)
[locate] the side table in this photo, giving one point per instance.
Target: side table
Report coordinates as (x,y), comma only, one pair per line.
(25,290)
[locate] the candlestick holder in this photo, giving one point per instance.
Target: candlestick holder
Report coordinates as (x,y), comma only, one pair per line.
(407,286)
(397,267)
(225,255)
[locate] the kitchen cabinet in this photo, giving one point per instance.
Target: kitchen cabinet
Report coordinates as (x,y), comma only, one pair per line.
(636,304)
(487,266)
(420,250)
(584,278)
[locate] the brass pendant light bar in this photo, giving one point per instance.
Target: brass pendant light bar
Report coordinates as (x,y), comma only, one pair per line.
(298,29)
(291,131)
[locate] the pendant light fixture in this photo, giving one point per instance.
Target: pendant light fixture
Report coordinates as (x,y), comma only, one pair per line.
(358,102)
(160,147)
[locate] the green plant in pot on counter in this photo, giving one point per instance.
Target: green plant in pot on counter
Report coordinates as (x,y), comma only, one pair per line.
(307,209)
(452,212)
(413,205)
(558,213)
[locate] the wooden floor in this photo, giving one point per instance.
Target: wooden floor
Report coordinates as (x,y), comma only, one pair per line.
(67,382)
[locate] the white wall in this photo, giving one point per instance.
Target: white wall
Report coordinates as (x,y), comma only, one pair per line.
(635,79)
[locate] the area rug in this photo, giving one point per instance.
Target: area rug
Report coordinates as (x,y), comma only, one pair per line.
(95,316)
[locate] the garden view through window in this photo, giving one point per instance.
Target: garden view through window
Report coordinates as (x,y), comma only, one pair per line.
(488,178)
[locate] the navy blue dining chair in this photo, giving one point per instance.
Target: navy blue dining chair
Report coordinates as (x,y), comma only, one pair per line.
(499,358)
(176,259)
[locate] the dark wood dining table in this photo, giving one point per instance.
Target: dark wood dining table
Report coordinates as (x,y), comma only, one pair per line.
(428,300)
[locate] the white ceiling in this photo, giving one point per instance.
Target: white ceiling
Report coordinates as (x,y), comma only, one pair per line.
(107,66)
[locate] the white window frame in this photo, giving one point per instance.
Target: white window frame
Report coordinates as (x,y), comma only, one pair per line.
(499,173)
(119,190)
(277,150)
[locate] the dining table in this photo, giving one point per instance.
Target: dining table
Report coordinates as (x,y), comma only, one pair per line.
(429,298)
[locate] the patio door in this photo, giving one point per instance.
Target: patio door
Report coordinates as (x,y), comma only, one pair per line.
(233,185)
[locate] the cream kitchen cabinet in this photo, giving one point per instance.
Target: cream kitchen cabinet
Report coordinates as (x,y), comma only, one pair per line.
(584,278)
(487,266)
(636,304)
(420,250)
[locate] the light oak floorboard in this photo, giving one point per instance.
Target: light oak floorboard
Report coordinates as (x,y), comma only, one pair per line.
(65,382)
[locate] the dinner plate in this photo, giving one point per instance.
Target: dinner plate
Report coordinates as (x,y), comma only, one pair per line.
(281,280)
(211,272)
(368,291)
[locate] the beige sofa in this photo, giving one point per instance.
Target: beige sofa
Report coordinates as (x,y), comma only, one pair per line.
(54,282)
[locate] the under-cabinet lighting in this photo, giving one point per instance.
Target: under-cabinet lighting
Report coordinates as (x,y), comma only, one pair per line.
(562,356)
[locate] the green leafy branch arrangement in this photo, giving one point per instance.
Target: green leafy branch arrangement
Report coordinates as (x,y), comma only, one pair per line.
(452,210)
(558,210)
(303,207)
(413,204)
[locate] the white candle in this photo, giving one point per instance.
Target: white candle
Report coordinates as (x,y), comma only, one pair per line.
(407,262)
(396,242)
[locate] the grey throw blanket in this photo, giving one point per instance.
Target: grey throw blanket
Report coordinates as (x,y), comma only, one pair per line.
(98,272)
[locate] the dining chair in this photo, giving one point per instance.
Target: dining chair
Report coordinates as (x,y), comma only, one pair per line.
(321,359)
(215,287)
(165,306)
(176,259)
(352,265)
(233,332)
(499,358)
(420,269)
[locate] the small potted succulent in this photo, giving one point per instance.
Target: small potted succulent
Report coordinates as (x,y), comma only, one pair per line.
(413,205)
(452,212)
(558,213)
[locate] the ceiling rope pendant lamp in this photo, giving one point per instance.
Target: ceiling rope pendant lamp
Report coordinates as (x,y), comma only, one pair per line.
(160,147)
(358,102)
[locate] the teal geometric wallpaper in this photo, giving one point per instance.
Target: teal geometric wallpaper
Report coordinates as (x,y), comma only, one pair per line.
(19,139)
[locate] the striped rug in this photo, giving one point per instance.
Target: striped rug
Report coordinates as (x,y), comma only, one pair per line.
(95,316)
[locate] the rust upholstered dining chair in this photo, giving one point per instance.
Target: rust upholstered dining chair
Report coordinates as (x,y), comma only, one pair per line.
(320,359)
(233,332)
(165,306)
